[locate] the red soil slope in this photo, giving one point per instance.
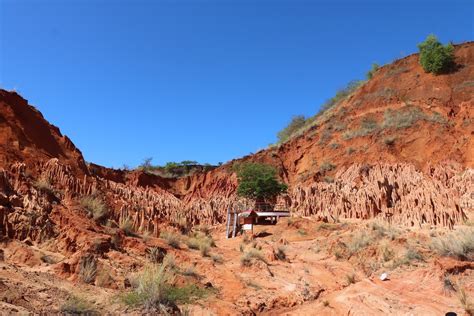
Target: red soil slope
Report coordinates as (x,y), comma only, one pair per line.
(27,137)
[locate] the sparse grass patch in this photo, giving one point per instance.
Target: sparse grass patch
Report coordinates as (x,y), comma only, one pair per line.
(75,305)
(386,252)
(413,254)
(458,244)
(381,230)
(249,256)
(368,125)
(95,207)
(358,242)
(200,242)
(171,239)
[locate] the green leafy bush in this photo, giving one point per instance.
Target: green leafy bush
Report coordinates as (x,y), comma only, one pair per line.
(296,123)
(258,182)
(434,57)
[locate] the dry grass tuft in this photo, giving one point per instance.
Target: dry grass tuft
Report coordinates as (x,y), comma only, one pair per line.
(458,244)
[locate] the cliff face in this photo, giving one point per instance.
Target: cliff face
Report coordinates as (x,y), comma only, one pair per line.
(399,148)
(27,137)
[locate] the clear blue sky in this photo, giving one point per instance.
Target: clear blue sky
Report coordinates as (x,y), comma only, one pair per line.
(201,80)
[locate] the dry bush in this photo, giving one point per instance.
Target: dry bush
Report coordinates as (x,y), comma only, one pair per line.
(350,278)
(95,207)
(75,305)
(250,256)
(217,258)
(156,254)
(154,290)
(280,253)
(458,244)
(104,279)
(43,184)
(126,226)
(171,239)
(465,301)
(87,268)
(190,271)
(358,242)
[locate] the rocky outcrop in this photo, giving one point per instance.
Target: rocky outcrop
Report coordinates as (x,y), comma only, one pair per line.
(397,193)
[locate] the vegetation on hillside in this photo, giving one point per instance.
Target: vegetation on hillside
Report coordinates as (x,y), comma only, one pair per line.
(174,169)
(434,57)
(299,124)
(258,182)
(296,123)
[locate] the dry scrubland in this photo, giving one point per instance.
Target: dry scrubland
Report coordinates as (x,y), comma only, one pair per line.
(298,266)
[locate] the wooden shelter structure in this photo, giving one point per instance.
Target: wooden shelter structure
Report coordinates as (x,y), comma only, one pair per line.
(240,219)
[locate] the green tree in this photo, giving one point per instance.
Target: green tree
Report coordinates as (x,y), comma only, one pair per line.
(258,182)
(434,57)
(188,162)
(296,123)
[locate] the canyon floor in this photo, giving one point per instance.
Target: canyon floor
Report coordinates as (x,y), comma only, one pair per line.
(297,267)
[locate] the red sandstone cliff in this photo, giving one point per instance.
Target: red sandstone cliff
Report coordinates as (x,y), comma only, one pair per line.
(411,165)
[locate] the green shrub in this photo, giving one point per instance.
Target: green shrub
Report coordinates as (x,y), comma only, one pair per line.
(258,182)
(95,206)
(372,71)
(296,123)
(434,57)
